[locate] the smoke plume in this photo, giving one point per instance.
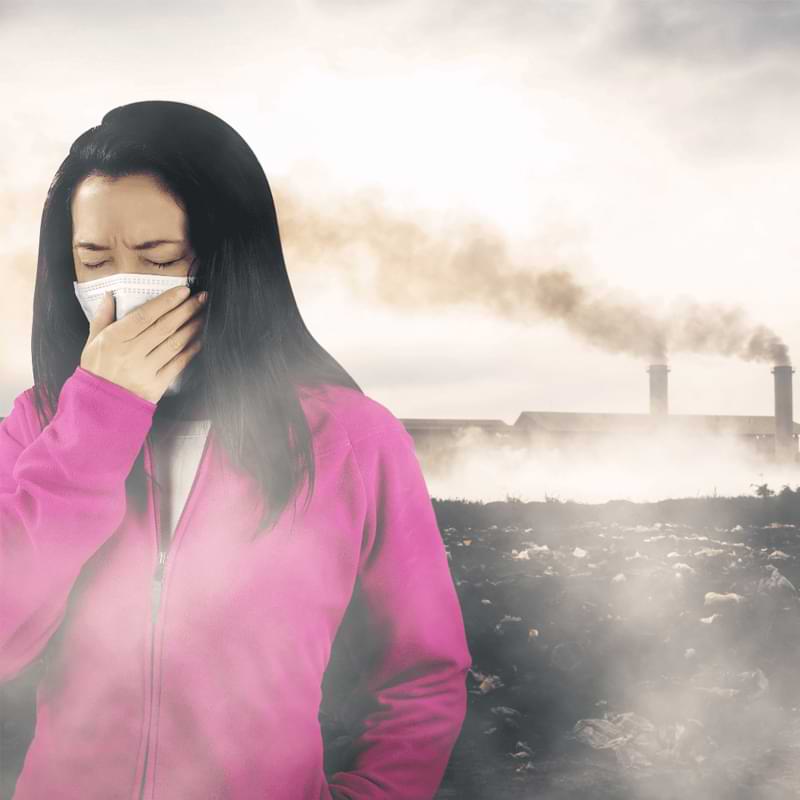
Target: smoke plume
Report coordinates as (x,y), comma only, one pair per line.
(471,265)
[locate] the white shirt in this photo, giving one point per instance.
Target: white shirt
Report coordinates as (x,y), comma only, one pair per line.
(177,447)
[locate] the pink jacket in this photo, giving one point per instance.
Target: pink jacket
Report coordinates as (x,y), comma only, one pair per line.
(214,692)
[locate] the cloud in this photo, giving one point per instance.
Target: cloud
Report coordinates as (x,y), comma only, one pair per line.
(721,79)
(707,32)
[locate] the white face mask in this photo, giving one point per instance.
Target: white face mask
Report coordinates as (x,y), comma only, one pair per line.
(130,290)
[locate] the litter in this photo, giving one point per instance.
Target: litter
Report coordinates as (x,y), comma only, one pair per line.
(714,599)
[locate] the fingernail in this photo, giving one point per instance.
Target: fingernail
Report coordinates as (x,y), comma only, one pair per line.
(202,297)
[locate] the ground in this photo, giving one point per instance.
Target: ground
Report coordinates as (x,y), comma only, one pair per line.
(613,659)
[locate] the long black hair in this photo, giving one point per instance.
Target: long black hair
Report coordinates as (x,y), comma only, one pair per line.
(257,351)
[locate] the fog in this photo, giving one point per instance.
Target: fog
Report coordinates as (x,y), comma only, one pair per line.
(665,465)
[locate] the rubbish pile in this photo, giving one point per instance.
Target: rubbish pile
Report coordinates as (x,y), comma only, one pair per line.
(665,651)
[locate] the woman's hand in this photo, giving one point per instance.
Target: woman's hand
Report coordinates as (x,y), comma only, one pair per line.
(149,347)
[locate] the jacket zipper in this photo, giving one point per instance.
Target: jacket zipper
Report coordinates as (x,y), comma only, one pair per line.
(157,589)
(158,577)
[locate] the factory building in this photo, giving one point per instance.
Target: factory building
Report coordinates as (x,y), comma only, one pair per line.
(774,436)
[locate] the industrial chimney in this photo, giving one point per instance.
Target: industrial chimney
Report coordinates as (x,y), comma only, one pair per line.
(658,388)
(785,446)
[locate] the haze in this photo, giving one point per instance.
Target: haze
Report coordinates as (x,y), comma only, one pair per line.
(432,166)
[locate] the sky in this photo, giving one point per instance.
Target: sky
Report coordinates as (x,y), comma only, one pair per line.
(485,208)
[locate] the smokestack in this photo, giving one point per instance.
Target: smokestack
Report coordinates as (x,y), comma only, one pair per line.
(658,389)
(785,447)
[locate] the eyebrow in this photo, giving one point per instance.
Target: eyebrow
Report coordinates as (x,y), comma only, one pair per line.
(143,246)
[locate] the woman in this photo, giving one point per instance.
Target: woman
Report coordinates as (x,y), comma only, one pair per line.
(183,604)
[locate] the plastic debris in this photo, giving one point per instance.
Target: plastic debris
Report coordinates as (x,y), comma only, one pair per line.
(637,742)
(776,584)
(714,599)
(523,750)
(709,551)
(509,717)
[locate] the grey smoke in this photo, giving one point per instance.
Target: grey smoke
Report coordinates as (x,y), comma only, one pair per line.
(471,265)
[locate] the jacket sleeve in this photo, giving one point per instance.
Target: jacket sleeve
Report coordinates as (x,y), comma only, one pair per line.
(410,633)
(62,495)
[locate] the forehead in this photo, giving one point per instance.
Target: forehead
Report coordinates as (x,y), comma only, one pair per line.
(134,205)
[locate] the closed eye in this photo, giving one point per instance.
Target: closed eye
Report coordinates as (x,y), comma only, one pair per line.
(164,264)
(159,264)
